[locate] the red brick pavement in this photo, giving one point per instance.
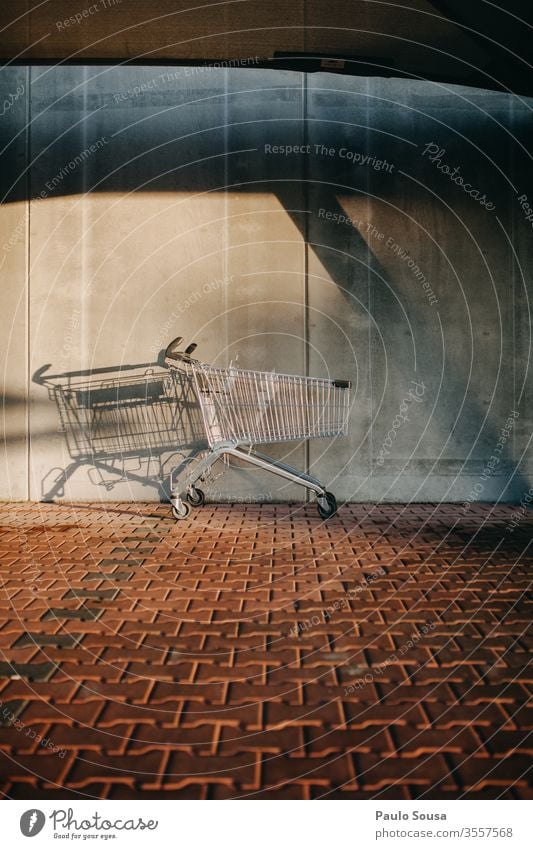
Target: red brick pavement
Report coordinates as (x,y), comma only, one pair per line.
(257,652)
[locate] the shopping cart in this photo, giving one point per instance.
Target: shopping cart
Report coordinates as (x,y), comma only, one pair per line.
(244,408)
(114,419)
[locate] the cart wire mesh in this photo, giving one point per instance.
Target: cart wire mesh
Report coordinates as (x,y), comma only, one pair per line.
(253,407)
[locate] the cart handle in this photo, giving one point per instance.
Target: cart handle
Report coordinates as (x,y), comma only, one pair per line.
(170,351)
(181,356)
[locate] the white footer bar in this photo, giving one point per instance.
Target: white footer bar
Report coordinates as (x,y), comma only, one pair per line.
(257,824)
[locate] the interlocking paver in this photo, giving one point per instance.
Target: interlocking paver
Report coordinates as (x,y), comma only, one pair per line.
(253,651)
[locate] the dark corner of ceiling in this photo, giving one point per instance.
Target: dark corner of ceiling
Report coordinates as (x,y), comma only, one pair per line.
(480,43)
(503,31)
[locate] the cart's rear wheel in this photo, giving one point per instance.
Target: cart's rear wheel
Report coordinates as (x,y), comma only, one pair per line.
(196,497)
(326,505)
(180,510)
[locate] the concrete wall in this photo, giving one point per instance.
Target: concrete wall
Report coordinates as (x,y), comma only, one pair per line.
(144,203)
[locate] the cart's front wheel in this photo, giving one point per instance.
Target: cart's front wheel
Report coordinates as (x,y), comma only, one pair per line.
(326,505)
(180,510)
(196,497)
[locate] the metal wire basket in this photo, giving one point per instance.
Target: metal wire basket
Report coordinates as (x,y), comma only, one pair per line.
(255,407)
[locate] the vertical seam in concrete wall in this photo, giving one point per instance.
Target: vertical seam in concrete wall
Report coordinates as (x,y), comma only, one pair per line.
(27,277)
(369,282)
(307,449)
(226,262)
(512,259)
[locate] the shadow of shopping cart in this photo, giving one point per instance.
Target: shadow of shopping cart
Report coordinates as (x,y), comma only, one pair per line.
(130,422)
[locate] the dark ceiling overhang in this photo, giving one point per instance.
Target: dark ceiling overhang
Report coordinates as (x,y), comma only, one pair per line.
(478,43)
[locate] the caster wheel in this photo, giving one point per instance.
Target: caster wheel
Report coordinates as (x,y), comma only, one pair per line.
(196,497)
(181,511)
(326,505)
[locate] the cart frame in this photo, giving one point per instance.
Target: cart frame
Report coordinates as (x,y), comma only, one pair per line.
(260,417)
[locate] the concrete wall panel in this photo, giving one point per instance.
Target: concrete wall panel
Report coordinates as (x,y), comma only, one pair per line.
(13,281)
(437,281)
